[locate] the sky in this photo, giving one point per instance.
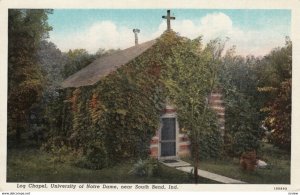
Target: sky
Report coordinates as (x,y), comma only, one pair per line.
(253,32)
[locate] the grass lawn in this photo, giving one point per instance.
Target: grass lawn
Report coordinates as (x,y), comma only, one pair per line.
(277,173)
(29,165)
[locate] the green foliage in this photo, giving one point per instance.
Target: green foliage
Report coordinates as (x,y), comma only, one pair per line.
(276,86)
(44,113)
(210,140)
(119,115)
(52,61)
(279,117)
(121,112)
(26,29)
(278,171)
(144,168)
(102,52)
(36,166)
(60,153)
(257,92)
(76,60)
(191,78)
(244,141)
(96,157)
(239,79)
(242,123)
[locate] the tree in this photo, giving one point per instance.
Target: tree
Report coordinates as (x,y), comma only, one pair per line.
(102,52)
(43,114)
(238,78)
(258,93)
(276,85)
(76,60)
(190,79)
(26,29)
(52,61)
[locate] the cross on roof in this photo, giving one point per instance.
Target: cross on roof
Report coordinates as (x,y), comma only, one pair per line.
(169,18)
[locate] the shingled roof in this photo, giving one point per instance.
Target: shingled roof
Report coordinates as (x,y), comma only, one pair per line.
(101,67)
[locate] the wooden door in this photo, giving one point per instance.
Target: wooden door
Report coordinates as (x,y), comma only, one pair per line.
(168,137)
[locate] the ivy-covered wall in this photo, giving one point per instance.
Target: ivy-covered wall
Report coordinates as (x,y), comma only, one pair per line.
(116,118)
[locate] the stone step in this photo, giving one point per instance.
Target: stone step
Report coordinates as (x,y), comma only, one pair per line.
(179,163)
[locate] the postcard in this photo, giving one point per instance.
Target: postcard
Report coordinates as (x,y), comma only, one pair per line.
(149,96)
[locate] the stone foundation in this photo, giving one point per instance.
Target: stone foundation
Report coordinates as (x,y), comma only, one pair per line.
(184,146)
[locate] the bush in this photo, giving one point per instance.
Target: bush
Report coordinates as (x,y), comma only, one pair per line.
(210,145)
(210,140)
(244,142)
(60,151)
(96,157)
(144,168)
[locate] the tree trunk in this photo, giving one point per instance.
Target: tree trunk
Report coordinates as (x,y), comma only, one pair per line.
(196,161)
(196,173)
(195,147)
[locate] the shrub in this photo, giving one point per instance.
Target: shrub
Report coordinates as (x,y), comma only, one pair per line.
(144,168)
(210,139)
(210,145)
(244,142)
(97,156)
